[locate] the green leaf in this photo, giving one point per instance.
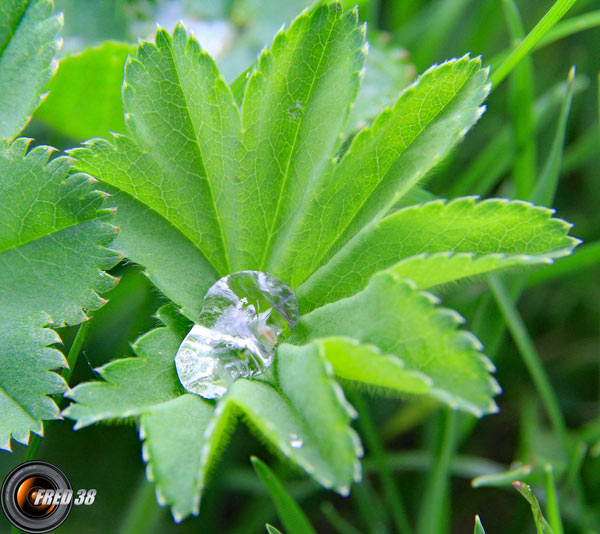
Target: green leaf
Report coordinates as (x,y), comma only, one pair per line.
(307,381)
(366,364)
(291,515)
(438,242)
(186,190)
(388,70)
(290,429)
(272,530)
(53,236)
(85,95)
(382,164)
(541,525)
(172,92)
(172,423)
(184,434)
(294,109)
(167,176)
(478,526)
(174,432)
(401,321)
(131,386)
(29,41)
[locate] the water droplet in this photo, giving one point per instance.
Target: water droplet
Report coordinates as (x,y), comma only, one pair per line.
(296,110)
(295,441)
(244,315)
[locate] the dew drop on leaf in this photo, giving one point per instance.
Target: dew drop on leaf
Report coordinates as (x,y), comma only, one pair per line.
(244,316)
(296,110)
(296,441)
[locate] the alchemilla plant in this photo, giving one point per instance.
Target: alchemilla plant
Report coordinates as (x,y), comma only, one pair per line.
(214,179)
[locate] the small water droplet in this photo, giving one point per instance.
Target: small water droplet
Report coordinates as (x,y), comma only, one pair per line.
(244,316)
(296,110)
(296,441)
(247,75)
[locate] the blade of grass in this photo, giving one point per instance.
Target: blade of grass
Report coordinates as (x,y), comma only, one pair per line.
(143,513)
(391,491)
(491,331)
(485,171)
(545,189)
(582,150)
(520,99)
(408,417)
(547,22)
(562,29)
(569,27)
(432,512)
(293,518)
(371,511)
(337,521)
(478,526)
(575,463)
(445,16)
(272,530)
(519,332)
(502,479)
(35,441)
(541,524)
(75,350)
(463,466)
(552,507)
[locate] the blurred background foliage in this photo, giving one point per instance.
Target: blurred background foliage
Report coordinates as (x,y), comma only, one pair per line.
(440,469)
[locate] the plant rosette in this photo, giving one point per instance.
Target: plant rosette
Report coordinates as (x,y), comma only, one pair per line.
(213,179)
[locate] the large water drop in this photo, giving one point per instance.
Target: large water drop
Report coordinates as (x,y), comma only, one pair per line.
(244,315)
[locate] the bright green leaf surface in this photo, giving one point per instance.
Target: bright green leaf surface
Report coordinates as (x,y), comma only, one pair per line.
(272,530)
(317,439)
(382,164)
(439,242)
(85,93)
(273,417)
(402,321)
(178,162)
(172,423)
(294,109)
(388,70)
(289,512)
(307,381)
(131,386)
(173,434)
(366,364)
(52,252)
(29,41)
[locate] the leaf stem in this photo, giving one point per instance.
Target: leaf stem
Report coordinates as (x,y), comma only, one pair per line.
(75,350)
(531,358)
